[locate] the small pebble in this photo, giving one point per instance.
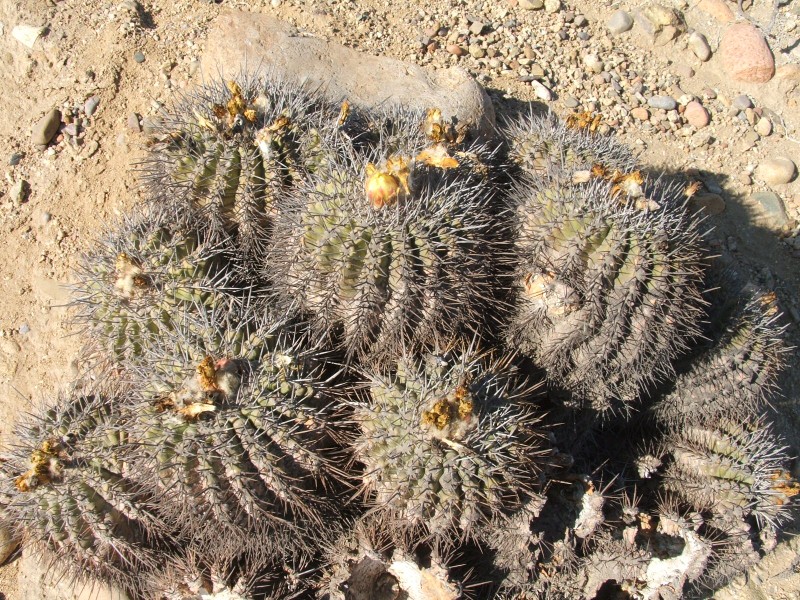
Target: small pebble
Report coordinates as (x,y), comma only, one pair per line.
(620,22)
(24,329)
(699,46)
(133,122)
(46,217)
(531,4)
(749,140)
(710,204)
(456,50)
(476,28)
(764,127)
(593,63)
(138,57)
(476,51)
(776,170)
(46,128)
(662,102)
(696,115)
(93,147)
(640,113)
(71,129)
(742,102)
(19,192)
(542,92)
(15,159)
(552,6)
(91,105)
(571,102)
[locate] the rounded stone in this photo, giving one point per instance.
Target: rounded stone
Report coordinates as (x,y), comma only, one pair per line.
(138,57)
(699,46)
(476,51)
(710,204)
(776,170)
(456,50)
(742,102)
(552,6)
(46,128)
(663,102)
(593,63)
(745,54)
(696,114)
(764,127)
(531,4)
(640,113)
(620,22)
(773,208)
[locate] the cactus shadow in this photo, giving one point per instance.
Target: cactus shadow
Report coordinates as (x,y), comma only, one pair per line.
(508,108)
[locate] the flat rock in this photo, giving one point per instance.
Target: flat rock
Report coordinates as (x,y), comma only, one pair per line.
(745,54)
(620,22)
(46,127)
(773,208)
(776,170)
(27,34)
(340,72)
(531,4)
(654,17)
(42,580)
(696,114)
(699,46)
(764,127)
(719,9)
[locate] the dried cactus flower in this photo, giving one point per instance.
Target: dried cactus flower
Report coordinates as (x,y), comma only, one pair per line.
(449,442)
(607,292)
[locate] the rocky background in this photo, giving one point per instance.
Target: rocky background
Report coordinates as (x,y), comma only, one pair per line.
(708,88)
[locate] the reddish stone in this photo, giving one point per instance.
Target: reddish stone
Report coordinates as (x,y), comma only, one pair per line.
(745,54)
(696,114)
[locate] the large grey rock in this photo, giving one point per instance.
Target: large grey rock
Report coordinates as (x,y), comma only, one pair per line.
(239,39)
(39,579)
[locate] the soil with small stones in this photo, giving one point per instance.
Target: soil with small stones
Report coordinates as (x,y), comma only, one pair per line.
(129,59)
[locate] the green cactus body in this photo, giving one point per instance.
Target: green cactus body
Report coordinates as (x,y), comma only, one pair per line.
(736,374)
(544,146)
(230,151)
(243,442)
(732,469)
(65,484)
(448,442)
(607,290)
(147,281)
(412,270)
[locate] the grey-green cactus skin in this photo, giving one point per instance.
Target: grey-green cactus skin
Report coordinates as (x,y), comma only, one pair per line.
(237,440)
(736,375)
(145,280)
(608,285)
(65,486)
(545,146)
(230,150)
(449,442)
(390,277)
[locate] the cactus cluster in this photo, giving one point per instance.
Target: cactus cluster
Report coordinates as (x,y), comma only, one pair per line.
(351,353)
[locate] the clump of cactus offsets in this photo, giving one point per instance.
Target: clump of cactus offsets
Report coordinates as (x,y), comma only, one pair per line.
(391,253)
(608,284)
(450,442)
(736,375)
(231,150)
(732,469)
(143,282)
(64,486)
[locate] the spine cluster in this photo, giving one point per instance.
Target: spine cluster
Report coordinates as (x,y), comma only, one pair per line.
(354,354)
